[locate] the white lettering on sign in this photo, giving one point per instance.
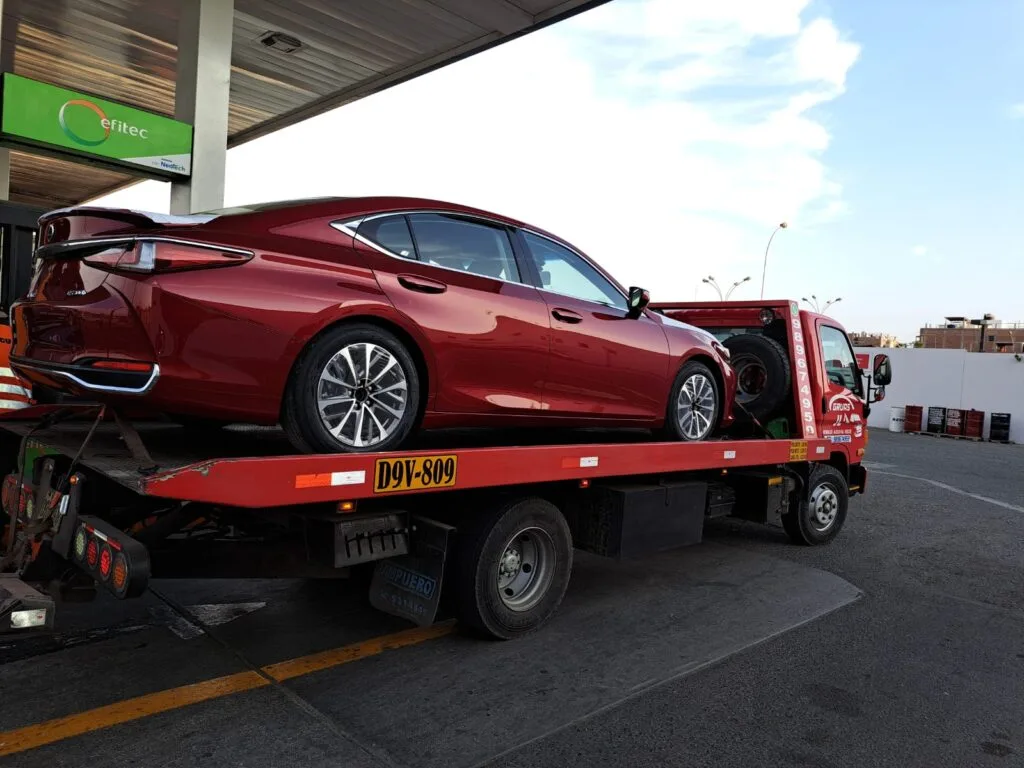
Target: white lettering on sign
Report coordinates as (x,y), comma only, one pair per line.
(803,378)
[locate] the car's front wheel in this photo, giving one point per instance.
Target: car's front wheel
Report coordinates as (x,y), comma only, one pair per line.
(694,404)
(355,389)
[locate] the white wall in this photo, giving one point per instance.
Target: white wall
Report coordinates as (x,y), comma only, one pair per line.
(953,378)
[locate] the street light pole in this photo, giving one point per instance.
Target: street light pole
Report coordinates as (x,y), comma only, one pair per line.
(764,269)
(710,280)
(736,285)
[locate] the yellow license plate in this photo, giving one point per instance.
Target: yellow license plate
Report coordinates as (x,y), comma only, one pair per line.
(414,473)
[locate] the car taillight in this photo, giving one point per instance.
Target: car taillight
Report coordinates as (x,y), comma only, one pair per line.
(122,365)
(166,256)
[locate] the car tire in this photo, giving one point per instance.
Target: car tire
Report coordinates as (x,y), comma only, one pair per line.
(819,515)
(695,386)
(763,376)
(493,544)
(331,370)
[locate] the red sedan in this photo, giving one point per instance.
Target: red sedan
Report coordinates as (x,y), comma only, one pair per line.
(354,321)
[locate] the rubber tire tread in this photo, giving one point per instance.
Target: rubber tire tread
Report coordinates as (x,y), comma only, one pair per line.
(777,370)
(797,523)
(471,578)
(672,428)
(299,416)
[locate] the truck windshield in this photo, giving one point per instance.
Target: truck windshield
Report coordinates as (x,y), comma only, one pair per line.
(839,358)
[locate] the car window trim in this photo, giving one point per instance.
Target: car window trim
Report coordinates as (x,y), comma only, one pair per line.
(575,252)
(350,227)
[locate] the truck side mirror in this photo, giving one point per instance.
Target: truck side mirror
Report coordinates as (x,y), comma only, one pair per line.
(638,299)
(882,371)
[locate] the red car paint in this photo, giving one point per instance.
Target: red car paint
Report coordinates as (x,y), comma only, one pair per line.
(493,352)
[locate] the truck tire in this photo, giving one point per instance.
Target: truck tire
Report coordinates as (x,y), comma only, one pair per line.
(818,517)
(763,376)
(511,568)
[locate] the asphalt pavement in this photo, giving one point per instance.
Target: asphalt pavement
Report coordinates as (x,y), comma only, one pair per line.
(900,644)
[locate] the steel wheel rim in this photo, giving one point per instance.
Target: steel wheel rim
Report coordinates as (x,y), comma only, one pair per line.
(695,407)
(824,505)
(526,569)
(751,378)
(362,395)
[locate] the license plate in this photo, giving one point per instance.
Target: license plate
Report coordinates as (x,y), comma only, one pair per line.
(414,473)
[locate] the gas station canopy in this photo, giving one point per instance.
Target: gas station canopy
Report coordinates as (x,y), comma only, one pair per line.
(289,60)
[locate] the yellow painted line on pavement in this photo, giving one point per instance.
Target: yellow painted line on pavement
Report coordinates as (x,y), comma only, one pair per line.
(40,734)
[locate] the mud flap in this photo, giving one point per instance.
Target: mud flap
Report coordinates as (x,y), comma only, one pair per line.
(409,586)
(22,607)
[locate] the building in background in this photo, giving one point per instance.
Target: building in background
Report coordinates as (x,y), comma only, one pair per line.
(985,334)
(865,339)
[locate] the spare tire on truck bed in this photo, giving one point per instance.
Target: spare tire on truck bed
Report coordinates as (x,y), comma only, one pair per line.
(763,376)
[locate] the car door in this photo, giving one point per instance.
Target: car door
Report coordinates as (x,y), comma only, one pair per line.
(458,280)
(604,363)
(843,386)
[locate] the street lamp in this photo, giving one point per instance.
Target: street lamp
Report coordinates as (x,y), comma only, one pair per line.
(819,308)
(764,269)
(710,280)
(736,285)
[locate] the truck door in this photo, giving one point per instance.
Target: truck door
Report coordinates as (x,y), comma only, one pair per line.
(843,400)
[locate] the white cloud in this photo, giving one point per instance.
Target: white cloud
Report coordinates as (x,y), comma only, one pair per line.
(660,136)
(919,250)
(1017,110)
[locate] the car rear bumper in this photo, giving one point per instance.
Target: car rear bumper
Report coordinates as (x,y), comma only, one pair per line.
(84,378)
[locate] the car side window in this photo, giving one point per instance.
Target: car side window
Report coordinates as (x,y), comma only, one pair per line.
(839,358)
(463,245)
(391,233)
(568,273)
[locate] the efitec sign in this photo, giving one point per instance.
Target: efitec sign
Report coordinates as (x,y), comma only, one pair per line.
(44,116)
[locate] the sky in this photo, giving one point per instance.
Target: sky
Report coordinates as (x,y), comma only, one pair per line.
(668,139)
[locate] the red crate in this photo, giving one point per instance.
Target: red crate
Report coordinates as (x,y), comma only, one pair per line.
(974,424)
(913,418)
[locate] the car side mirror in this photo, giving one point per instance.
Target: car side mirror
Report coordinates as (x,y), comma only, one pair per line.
(882,374)
(638,300)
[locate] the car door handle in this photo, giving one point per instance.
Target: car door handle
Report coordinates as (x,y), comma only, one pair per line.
(566,316)
(421,284)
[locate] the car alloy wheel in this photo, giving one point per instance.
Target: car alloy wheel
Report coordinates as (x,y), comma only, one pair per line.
(362,395)
(696,407)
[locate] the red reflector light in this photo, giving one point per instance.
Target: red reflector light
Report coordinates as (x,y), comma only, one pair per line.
(122,365)
(92,552)
(106,561)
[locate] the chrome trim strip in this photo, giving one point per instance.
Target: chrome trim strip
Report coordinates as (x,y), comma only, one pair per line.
(46,371)
(73,245)
(345,227)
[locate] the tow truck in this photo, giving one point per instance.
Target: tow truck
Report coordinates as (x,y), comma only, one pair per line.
(482,526)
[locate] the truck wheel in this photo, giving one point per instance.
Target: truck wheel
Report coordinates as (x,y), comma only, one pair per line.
(512,568)
(694,405)
(763,378)
(820,515)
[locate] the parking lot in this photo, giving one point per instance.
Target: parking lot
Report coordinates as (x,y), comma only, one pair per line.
(899,644)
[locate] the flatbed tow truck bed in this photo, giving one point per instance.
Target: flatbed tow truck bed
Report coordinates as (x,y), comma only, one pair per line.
(252,467)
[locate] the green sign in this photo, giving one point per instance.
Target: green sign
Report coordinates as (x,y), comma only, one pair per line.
(55,118)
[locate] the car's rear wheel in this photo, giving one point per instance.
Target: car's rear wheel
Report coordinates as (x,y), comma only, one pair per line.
(355,389)
(694,404)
